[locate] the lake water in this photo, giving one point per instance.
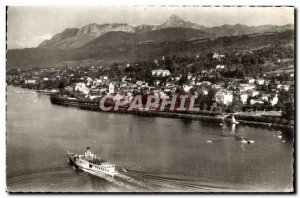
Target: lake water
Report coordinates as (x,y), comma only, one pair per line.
(151,154)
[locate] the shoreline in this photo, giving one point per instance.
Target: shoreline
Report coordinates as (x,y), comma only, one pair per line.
(204,118)
(210,116)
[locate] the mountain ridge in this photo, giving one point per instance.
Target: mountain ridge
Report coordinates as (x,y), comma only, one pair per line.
(72,38)
(124,47)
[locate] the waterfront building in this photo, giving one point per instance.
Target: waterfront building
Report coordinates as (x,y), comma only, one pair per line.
(224,97)
(82,88)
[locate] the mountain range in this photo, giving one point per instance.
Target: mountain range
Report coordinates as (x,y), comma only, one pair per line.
(108,43)
(174,29)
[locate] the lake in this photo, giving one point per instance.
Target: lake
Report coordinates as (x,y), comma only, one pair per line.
(152,154)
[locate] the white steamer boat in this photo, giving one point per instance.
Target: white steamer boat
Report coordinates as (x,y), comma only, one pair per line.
(88,162)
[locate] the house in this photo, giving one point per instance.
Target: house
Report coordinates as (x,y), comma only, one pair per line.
(124,78)
(253,93)
(31,81)
(95,92)
(218,56)
(286,87)
(160,72)
(260,81)
(267,82)
(265,97)
(279,86)
(244,97)
(253,101)
(111,88)
(177,78)
(187,88)
(82,88)
(246,87)
(224,97)
(274,100)
(220,66)
(205,83)
(103,78)
(216,86)
(156,82)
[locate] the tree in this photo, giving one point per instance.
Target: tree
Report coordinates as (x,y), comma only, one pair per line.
(169,64)
(237,60)
(284,96)
(236,104)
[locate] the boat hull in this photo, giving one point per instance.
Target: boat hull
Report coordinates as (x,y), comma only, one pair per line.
(87,167)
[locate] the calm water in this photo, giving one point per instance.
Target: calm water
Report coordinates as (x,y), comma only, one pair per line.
(152,154)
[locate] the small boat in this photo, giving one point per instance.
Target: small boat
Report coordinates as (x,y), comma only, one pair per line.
(250,141)
(88,162)
(244,141)
(233,121)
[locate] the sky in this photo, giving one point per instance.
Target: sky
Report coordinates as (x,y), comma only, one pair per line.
(28,26)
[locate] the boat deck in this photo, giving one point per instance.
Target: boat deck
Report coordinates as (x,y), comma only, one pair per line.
(97,161)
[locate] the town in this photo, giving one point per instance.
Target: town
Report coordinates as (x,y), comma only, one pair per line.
(257,83)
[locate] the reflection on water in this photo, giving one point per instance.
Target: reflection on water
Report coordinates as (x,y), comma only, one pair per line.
(152,154)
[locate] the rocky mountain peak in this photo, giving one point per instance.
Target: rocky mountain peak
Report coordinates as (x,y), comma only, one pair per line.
(175,18)
(74,38)
(175,21)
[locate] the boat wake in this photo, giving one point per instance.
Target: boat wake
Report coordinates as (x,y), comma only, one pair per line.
(142,181)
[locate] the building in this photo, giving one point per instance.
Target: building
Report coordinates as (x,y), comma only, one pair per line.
(187,88)
(32,81)
(224,97)
(260,81)
(250,80)
(95,92)
(244,97)
(82,88)
(253,93)
(286,87)
(103,78)
(218,56)
(111,88)
(161,72)
(274,100)
(246,87)
(265,97)
(220,66)
(253,101)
